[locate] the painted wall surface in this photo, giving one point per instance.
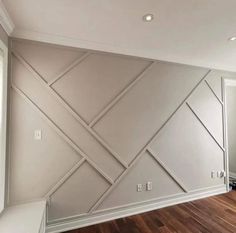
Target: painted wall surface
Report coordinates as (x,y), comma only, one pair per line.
(109,123)
(3,36)
(231,116)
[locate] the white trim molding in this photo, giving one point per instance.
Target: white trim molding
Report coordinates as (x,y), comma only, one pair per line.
(3,124)
(230,82)
(5,19)
(108,215)
(232,175)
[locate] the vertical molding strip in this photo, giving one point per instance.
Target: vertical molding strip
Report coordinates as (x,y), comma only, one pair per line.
(225,132)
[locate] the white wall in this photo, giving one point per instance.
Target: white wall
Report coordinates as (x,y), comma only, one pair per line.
(231,116)
(3,36)
(108,123)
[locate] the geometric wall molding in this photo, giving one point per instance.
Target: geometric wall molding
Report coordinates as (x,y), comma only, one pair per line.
(81,196)
(184,143)
(94,82)
(209,110)
(65,123)
(141,112)
(35,159)
(50,61)
(214,82)
(144,170)
(110,122)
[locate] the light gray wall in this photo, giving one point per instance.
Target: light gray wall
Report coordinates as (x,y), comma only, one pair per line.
(3,36)
(109,123)
(231,116)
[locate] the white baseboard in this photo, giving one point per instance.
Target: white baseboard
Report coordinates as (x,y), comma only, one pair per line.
(108,215)
(232,175)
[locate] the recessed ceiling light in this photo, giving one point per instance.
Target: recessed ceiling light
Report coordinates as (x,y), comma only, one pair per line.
(148,17)
(232,38)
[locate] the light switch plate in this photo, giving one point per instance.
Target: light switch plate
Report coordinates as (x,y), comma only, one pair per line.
(38,134)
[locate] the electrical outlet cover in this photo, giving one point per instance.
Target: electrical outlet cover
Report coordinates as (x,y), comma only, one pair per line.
(139,187)
(149,186)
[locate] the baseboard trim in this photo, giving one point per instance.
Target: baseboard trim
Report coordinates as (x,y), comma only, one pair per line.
(232,175)
(135,209)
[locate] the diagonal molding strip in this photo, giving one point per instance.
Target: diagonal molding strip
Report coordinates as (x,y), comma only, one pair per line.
(195,114)
(141,152)
(61,133)
(173,113)
(213,92)
(169,172)
(69,109)
(69,68)
(119,96)
(65,178)
(113,186)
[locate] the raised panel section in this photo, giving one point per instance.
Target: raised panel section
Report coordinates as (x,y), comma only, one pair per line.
(48,61)
(147,169)
(65,122)
(78,194)
(189,151)
(92,84)
(35,165)
(209,110)
(129,125)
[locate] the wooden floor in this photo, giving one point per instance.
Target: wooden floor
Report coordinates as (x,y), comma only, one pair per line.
(215,215)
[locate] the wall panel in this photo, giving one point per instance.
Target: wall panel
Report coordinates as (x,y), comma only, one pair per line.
(147,168)
(81,196)
(130,124)
(35,162)
(92,84)
(110,122)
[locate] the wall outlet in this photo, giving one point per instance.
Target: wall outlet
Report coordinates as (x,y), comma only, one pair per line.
(149,186)
(213,174)
(218,174)
(139,187)
(38,134)
(222,174)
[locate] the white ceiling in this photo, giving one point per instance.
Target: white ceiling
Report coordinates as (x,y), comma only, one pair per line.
(186,31)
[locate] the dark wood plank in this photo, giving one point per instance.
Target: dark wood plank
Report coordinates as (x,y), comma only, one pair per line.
(214,214)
